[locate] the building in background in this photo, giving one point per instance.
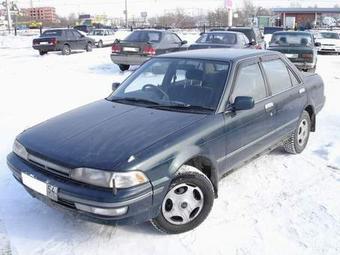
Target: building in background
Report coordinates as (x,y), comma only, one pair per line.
(44,14)
(305,17)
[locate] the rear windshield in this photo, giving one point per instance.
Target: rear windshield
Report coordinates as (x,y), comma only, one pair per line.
(52,33)
(286,39)
(248,32)
(144,36)
(219,38)
(328,35)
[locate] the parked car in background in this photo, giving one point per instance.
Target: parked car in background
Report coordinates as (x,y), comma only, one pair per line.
(141,45)
(222,39)
(64,40)
(330,42)
(299,47)
(102,37)
(84,28)
(254,36)
(156,148)
(269,31)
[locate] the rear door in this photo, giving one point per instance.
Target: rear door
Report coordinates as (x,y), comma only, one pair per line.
(248,132)
(287,92)
(80,40)
(70,38)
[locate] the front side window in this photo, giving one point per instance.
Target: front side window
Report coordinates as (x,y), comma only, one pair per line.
(278,76)
(249,82)
(174,82)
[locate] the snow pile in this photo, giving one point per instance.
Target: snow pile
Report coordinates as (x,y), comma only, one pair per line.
(278,204)
(16,42)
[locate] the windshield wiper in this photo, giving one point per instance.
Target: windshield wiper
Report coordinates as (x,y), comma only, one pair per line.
(134,100)
(183,106)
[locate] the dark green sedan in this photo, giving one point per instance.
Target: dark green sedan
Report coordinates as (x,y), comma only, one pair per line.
(299,48)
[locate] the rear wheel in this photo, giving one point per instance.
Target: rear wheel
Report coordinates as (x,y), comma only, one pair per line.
(187,204)
(89,47)
(66,50)
(42,52)
(100,44)
(124,67)
(298,140)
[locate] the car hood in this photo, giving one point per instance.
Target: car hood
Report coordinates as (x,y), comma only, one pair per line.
(102,134)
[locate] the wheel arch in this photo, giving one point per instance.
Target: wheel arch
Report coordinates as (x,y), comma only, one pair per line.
(311,112)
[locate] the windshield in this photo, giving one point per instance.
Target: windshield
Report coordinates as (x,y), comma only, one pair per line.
(328,35)
(286,39)
(144,36)
(52,33)
(219,38)
(248,32)
(97,32)
(171,82)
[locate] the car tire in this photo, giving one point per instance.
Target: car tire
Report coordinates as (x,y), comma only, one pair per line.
(66,50)
(298,140)
(42,52)
(100,44)
(187,203)
(89,47)
(124,67)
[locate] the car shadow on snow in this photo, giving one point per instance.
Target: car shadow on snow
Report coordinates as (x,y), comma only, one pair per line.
(109,69)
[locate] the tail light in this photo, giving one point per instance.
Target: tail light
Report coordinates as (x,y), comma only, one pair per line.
(116,48)
(149,50)
(307,56)
(54,41)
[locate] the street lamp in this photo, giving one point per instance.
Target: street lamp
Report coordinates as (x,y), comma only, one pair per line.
(126,14)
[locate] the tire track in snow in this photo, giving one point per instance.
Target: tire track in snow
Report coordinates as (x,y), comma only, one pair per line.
(5,246)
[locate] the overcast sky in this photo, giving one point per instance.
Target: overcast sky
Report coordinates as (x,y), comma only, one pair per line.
(115,8)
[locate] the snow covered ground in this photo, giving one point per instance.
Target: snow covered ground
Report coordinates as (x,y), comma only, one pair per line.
(278,204)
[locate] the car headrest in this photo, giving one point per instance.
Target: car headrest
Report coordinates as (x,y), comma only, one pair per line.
(194,74)
(304,41)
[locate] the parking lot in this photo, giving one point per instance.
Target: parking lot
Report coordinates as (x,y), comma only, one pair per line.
(278,204)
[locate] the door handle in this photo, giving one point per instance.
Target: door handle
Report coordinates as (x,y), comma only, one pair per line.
(268,107)
(302,91)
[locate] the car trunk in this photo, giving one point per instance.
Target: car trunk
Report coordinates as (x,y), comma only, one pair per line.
(295,53)
(134,48)
(45,40)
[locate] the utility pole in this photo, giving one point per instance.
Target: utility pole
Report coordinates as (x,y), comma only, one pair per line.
(126,14)
(9,16)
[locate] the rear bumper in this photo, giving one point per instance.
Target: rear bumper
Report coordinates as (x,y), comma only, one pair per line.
(45,47)
(138,200)
(128,59)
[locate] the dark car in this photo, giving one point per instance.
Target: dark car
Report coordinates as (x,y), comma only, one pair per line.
(84,28)
(64,40)
(141,45)
(254,36)
(156,148)
(299,47)
(223,39)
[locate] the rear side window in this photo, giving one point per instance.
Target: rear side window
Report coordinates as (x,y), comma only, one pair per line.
(249,82)
(293,78)
(277,74)
(144,36)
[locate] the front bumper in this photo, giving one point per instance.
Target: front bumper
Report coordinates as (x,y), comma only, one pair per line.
(304,65)
(138,200)
(120,59)
(329,49)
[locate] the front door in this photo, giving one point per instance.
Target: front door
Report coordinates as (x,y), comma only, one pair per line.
(248,132)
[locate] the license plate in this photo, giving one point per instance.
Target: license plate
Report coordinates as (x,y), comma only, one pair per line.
(130,49)
(292,55)
(44,43)
(40,187)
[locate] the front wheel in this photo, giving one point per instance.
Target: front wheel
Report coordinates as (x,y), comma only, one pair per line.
(100,44)
(298,140)
(187,203)
(124,67)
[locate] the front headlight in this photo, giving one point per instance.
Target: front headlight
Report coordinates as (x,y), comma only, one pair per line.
(108,179)
(20,150)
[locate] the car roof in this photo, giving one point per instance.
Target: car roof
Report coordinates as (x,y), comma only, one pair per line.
(224,32)
(218,54)
(293,32)
(242,28)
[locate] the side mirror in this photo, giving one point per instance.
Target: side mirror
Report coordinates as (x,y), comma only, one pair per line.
(317,44)
(242,103)
(115,86)
(184,42)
